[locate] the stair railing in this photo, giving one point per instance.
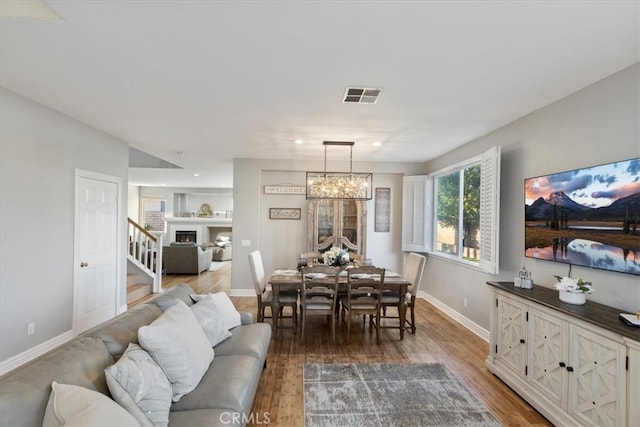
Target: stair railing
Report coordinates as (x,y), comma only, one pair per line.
(145,250)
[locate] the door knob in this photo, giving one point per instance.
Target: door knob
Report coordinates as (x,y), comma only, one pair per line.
(84,264)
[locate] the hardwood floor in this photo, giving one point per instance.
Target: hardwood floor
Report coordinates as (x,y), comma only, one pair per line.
(438,339)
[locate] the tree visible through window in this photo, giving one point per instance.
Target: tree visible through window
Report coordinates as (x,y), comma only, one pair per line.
(458,218)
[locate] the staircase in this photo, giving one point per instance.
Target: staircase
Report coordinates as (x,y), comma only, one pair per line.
(144,262)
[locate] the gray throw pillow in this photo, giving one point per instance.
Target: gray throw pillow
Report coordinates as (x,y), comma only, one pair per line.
(208,316)
(74,406)
(178,344)
(138,384)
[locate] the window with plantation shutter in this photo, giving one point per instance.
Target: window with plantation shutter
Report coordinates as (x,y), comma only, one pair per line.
(489,210)
(415,196)
(454,212)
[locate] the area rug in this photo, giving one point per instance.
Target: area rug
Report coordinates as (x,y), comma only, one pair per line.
(217,265)
(408,394)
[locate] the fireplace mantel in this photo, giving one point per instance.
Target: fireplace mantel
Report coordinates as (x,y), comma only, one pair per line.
(205,228)
(208,222)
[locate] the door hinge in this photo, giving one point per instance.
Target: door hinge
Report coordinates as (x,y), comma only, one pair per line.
(496,302)
(496,348)
(626,364)
(527,316)
(526,370)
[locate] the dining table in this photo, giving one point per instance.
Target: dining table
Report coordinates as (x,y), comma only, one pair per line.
(285,279)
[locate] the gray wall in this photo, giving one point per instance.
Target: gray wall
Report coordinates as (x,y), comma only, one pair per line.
(280,241)
(596,125)
(39,152)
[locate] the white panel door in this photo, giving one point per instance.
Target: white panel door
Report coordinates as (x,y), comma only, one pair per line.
(96,257)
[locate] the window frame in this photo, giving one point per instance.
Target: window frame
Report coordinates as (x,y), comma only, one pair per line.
(420,205)
(142,211)
(458,168)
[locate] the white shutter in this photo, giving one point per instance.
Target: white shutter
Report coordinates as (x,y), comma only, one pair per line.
(490,210)
(415,215)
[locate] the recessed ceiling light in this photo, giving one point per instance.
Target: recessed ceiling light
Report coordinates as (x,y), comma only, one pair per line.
(298,141)
(196,174)
(377,144)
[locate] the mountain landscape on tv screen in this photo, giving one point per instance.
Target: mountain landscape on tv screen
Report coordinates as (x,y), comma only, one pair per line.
(588,217)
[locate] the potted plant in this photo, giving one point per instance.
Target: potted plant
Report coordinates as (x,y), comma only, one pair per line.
(573,291)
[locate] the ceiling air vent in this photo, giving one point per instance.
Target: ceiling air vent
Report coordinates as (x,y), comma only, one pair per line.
(361,95)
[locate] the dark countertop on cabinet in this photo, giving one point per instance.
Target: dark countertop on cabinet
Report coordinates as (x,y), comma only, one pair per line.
(597,314)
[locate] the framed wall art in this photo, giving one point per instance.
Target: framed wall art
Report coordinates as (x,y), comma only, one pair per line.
(285,213)
(382,209)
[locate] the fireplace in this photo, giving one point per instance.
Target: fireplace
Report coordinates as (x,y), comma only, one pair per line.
(186,236)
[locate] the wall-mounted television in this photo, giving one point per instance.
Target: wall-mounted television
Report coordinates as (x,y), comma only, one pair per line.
(588,217)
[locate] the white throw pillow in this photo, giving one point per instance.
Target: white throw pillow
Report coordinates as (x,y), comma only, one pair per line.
(209,318)
(228,313)
(72,405)
(178,344)
(138,384)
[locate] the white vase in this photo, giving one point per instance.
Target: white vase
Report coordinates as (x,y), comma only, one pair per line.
(576,298)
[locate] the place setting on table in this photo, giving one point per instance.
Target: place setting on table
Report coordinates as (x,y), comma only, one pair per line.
(283,279)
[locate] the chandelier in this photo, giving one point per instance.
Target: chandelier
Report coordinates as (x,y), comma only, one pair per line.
(339,185)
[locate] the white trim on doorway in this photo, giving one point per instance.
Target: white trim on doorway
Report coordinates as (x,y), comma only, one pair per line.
(120,283)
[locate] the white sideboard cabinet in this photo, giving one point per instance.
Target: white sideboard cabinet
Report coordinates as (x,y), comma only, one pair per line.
(577,365)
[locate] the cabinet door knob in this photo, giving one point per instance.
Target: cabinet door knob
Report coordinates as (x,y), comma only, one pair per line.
(562,364)
(569,368)
(521,340)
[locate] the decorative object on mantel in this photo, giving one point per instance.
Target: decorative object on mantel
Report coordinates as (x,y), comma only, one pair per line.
(524,279)
(285,213)
(300,190)
(336,257)
(573,291)
(205,211)
(339,185)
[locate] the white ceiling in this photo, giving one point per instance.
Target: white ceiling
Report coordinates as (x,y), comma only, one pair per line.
(215,80)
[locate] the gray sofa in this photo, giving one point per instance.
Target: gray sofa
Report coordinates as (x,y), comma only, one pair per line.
(186,258)
(223,397)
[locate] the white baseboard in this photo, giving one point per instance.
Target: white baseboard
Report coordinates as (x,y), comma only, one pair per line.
(26,356)
(122,309)
(464,321)
(243,293)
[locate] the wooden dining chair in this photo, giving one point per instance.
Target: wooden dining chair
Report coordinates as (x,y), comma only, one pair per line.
(309,258)
(265,297)
(318,295)
(413,270)
(364,293)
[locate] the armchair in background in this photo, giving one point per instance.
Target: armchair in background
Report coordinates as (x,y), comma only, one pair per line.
(186,258)
(222,250)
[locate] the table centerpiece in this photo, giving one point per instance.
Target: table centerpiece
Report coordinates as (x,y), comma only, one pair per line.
(336,257)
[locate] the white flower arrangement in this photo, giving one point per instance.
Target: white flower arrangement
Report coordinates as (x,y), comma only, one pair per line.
(575,286)
(336,257)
